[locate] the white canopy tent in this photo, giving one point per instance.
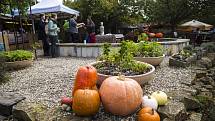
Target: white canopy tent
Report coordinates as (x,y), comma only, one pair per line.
(50,6)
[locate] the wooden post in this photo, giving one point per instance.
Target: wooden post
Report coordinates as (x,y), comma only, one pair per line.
(20,22)
(14,30)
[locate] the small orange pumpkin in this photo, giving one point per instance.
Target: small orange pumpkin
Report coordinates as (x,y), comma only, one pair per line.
(148,114)
(159,35)
(151,34)
(86,102)
(86,77)
(120,95)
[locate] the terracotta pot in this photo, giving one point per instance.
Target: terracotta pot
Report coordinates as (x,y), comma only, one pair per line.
(18,64)
(141,79)
(155,61)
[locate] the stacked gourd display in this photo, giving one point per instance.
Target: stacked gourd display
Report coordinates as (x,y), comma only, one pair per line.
(119,96)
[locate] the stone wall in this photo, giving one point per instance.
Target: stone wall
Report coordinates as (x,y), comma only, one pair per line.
(95,49)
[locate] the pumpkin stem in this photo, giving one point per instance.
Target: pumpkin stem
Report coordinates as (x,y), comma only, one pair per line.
(149,97)
(121,77)
(153,111)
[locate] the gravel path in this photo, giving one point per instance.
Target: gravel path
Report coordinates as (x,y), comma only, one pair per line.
(46,81)
(49,79)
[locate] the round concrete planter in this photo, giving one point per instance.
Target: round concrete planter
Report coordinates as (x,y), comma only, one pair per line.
(141,79)
(155,61)
(18,64)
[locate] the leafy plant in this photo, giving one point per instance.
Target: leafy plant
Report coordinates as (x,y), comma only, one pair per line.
(143,37)
(149,49)
(34,46)
(17,55)
(209,47)
(121,60)
(3,73)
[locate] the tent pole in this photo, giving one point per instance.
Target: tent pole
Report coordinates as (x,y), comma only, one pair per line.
(33,27)
(14,30)
(21,27)
(32,21)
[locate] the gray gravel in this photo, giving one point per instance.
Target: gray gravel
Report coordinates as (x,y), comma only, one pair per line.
(49,79)
(169,78)
(46,81)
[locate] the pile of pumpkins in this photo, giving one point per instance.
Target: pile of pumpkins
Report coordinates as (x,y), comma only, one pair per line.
(119,96)
(157,35)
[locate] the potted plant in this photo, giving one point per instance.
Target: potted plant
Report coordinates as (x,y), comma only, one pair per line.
(149,52)
(210,49)
(121,62)
(17,59)
(184,58)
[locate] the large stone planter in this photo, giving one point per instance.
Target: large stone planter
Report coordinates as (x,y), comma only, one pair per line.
(177,63)
(155,61)
(18,64)
(141,79)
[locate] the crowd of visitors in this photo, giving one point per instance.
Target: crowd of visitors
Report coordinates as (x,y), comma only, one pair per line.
(48,30)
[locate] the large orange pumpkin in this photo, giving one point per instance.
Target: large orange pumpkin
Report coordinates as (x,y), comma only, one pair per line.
(120,96)
(159,35)
(86,77)
(148,114)
(86,102)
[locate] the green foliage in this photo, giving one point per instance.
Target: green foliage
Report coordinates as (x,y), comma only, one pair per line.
(111,12)
(149,49)
(17,55)
(174,12)
(35,45)
(202,99)
(3,73)
(143,37)
(209,47)
(122,58)
(186,52)
(21,5)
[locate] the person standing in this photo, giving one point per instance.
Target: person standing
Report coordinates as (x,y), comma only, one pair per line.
(73,29)
(53,30)
(42,34)
(91,30)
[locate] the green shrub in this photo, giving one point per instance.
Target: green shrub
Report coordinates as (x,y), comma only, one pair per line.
(209,47)
(149,49)
(3,73)
(17,55)
(122,58)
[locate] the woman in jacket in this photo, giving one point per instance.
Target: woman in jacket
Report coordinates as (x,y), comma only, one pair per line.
(53,30)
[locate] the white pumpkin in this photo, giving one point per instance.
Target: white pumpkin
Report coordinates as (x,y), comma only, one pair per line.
(161,97)
(149,101)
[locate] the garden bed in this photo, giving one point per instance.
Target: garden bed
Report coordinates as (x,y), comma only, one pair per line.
(49,79)
(105,71)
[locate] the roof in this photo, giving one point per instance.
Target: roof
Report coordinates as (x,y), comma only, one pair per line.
(50,6)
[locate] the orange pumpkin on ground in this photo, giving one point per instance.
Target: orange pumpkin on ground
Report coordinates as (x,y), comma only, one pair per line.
(159,35)
(120,95)
(148,114)
(86,102)
(86,77)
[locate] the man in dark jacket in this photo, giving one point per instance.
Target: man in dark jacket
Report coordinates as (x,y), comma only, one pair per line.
(42,34)
(73,29)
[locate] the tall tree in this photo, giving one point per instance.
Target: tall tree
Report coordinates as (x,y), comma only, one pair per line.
(111,12)
(174,12)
